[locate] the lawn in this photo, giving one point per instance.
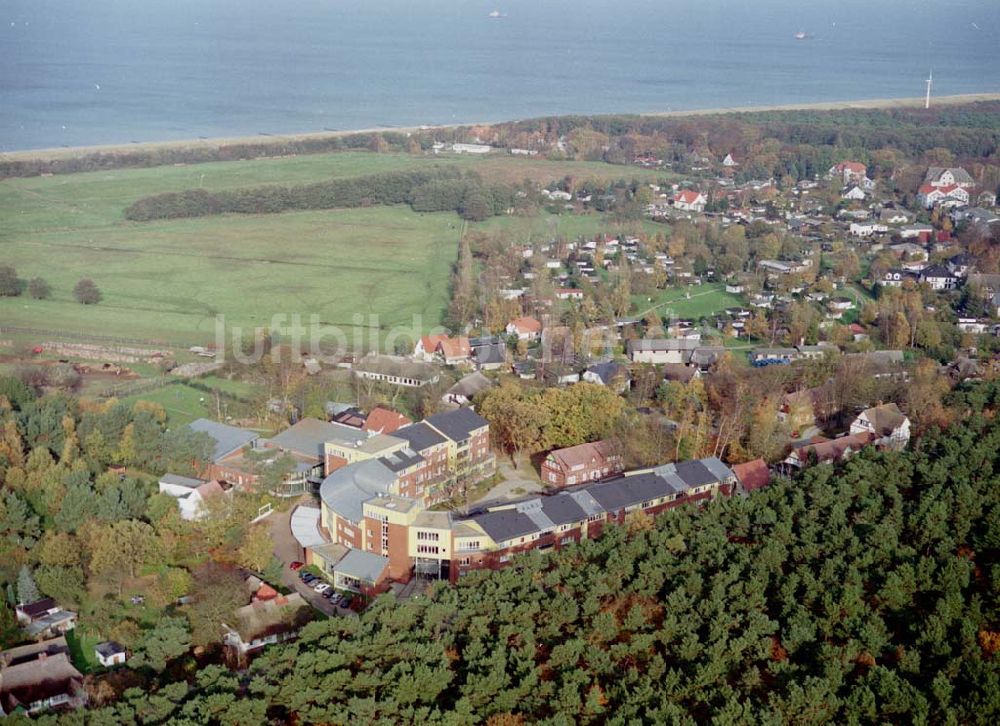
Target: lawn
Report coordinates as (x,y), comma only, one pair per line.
(183,404)
(81,649)
(167,281)
(704,301)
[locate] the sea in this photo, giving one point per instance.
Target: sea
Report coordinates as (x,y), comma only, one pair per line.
(84,72)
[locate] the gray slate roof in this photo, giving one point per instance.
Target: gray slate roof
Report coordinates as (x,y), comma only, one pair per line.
(181,481)
(505,524)
(364,566)
(308,436)
(457,425)
(348,488)
(420,435)
(227,438)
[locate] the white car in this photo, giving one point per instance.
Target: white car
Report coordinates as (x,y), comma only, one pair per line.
(321,587)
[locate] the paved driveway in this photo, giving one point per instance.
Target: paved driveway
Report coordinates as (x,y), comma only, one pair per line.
(287,550)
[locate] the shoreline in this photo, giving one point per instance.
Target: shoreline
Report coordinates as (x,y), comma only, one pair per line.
(217,141)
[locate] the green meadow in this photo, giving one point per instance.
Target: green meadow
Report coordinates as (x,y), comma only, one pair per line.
(169,280)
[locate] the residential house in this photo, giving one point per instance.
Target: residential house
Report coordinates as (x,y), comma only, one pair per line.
(661,350)
(466,389)
(849,172)
(943,196)
(918,231)
(525,328)
(382,420)
(690,201)
(488,353)
(941,177)
(892,215)
(729,162)
(609,373)
(854,193)
(44,619)
(39,677)
(191,494)
(896,278)
(886,423)
(752,475)
(939,277)
(826,451)
(265,622)
(109,653)
(867,229)
(582,463)
(452,351)
(959,264)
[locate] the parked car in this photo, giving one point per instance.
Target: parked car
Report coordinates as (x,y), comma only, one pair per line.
(296,565)
(307,578)
(328,594)
(335,596)
(322,587)
(345,602)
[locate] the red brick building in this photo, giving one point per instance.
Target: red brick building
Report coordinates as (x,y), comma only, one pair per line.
(583,463)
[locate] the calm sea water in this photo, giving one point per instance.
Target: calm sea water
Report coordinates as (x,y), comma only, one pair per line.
(78,72)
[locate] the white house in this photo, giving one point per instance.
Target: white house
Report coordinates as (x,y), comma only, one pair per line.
(189,493)
(109,653)
(939,277)
(867,229)
(855,193)
(525,328)
(889,425)
(943,196)
(690,201)
(729,161)
(661,350)
(848,171)
(471,148)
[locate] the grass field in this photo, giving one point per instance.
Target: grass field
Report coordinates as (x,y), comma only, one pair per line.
(168,280)
(704,300)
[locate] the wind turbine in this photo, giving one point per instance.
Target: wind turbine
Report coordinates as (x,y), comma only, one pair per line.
(930,81)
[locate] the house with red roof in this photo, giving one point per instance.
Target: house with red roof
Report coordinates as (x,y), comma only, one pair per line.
(583,463)
(384,421)
(525,328)
(952,195)
(753,475)
(443,347)
(689,200)
(849,171)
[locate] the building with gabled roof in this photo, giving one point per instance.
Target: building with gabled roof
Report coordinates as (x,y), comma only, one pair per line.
(40,677)
(889,425)
(581,463)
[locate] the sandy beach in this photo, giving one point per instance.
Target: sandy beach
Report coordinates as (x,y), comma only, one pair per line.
(75,151)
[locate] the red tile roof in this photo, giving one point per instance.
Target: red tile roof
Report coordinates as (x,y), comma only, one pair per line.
(385,421)
(593,454)
(687,196)
(753,474)
(452,348)
(527,325)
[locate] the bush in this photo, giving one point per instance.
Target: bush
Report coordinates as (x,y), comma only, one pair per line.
(10,285)
(39,289)
(86,292)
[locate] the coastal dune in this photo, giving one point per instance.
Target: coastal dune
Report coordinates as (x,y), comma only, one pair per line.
(75,151)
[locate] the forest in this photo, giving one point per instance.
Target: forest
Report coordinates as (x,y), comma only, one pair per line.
(866,593)
(968,131)
(431,190)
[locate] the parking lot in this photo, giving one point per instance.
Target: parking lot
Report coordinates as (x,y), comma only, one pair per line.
(287,550)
